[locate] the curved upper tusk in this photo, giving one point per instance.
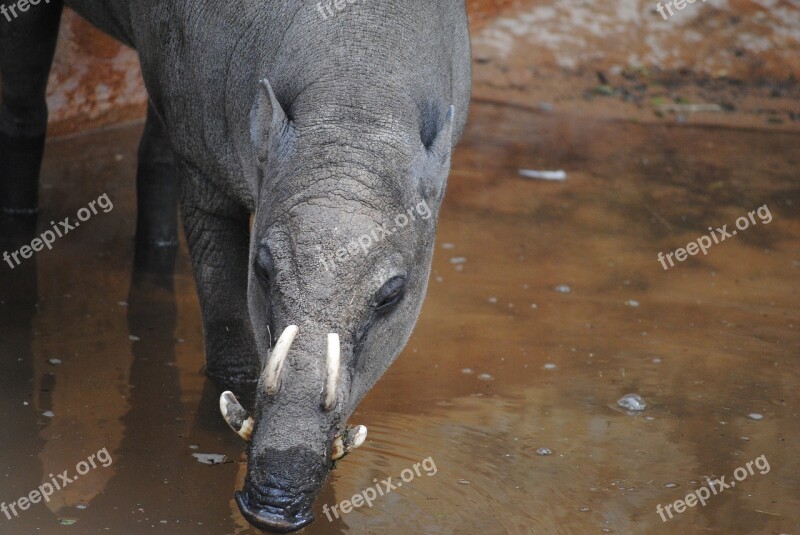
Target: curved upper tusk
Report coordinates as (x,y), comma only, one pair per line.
(272,374)
(348,441)
(235,415)
(332,382)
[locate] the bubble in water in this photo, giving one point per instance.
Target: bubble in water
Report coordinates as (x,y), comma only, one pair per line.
(467,371)
(544,451)
(632,303)
(550,366)
(54,362)
(485,377)
(632,402)
(458,260)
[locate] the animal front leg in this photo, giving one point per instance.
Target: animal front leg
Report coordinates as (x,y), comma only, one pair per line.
(156,187)
(217,230)
(27,45)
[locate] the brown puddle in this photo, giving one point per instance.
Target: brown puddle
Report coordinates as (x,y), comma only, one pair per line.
(711,341)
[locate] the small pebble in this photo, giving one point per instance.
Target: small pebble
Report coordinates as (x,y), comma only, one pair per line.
(467,371)
(563,289)
(671,485)
(755,416)
(584,509)
(632,402)
(493,300)
(544,451)
(448,245)
(632,303)
(54,362)
(133,338)
(550,366)
(209,458)
(656,360)
(458,260)
(485,377)
(48,414)
(463,481)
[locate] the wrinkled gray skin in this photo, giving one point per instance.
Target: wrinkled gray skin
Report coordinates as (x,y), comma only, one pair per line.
(359,132)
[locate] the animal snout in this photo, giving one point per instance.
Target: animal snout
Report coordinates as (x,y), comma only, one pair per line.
(280,489)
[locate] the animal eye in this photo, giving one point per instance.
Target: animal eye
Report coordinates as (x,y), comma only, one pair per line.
(264,264)
(390,294)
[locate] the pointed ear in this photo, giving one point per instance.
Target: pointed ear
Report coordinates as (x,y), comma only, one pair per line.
(432,165)
(270,128)
(442,146)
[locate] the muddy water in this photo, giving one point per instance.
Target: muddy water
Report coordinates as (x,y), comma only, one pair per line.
(501,365)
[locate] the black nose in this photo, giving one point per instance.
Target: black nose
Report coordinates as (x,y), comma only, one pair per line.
(280,488)
(272,519)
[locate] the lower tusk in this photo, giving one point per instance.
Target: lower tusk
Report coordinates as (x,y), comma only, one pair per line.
(272,374)
(346,442)
(235,415)
(332,382)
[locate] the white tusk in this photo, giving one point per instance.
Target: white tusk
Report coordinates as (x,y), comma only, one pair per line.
(235,415)
(350,440)
(332,384)
(272,375)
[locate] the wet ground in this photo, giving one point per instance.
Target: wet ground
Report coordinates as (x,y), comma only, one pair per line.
(547,304)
